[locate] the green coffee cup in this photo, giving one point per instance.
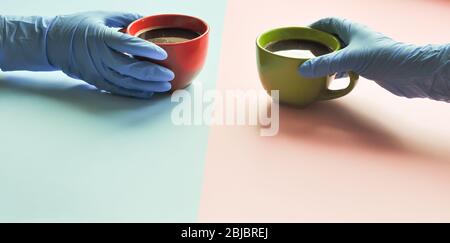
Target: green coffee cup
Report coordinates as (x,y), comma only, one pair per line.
(279,72)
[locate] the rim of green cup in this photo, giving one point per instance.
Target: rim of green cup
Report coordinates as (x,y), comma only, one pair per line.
(263,48)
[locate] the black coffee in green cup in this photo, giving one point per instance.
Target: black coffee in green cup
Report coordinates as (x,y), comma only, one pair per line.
(280,53)
(298,48)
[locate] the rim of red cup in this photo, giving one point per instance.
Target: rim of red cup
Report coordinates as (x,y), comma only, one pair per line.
(206,32)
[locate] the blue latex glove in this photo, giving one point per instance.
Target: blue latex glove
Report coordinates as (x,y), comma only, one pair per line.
(85,46)
(405,70)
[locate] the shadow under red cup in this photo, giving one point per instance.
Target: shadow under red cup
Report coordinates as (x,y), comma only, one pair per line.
(186,59)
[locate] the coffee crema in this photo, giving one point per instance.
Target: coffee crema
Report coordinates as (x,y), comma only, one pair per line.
(168,35)
(298,48)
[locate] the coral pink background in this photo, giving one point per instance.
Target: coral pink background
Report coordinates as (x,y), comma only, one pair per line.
(370,156)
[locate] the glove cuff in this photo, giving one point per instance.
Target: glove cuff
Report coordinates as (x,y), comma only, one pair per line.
(23,44)
(447,53)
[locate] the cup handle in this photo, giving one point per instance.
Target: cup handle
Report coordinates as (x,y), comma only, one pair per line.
(334,94)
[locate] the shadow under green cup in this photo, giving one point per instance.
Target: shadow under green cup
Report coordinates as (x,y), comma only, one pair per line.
(281,73)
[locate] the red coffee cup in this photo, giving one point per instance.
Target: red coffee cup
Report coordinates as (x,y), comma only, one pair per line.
(186,59)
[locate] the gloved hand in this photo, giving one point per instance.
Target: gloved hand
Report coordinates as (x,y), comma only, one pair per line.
(405,70)
(85,46)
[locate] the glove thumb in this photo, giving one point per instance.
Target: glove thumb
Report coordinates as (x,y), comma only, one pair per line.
(119,19)
(336,62)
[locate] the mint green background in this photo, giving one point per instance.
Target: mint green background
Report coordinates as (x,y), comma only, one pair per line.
(68,153)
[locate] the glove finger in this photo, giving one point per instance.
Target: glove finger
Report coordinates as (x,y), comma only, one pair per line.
(134,46)
(114,89)
(341,27)
(341,75)
(142,70)
(135,84)
(336,62)
(120,20)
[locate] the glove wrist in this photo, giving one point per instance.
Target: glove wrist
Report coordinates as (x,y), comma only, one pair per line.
(60,47)
(23,43)
(446,53)
(437,65)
